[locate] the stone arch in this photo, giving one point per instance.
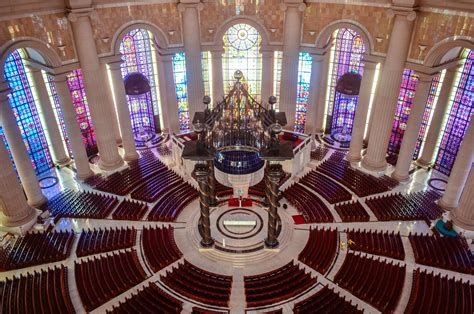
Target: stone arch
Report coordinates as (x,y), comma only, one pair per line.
(162,39)
(326,33)
(50,57)
(436,53)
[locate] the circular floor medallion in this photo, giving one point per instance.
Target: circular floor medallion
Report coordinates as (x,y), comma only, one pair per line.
(438,184)
(48,182)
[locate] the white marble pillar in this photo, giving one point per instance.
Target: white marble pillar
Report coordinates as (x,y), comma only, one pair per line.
(169,103)
(110,101)
(463,215)
(60,156)
(81,161)
(18,150)
(14,210)
(389,88)
(434,131)
(410,137)
(291,49)
(315,114)
(95,83)
(217,76)
(357,136)
(266,89)
(192,47)
(460,172)
(128,140)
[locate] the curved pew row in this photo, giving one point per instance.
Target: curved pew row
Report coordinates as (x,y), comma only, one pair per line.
(45,292)
(37,248)
(307,203)
(378,243)
(104,240)
(325,301)
(103,278)
(276,286)
(159,247)
(320,249)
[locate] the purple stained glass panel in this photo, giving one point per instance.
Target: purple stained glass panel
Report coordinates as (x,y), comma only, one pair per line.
(302,96)
(459,117)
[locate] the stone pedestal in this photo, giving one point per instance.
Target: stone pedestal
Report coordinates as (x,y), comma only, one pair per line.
(463,215)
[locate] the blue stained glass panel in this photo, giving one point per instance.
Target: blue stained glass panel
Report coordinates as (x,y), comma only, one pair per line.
(302,96)
(179,72)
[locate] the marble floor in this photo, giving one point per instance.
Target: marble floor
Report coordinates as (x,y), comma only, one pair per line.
(292,238)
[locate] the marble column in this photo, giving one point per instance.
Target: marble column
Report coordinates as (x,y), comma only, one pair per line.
(434,131)
(315,114)
(410,137)
(79,154)
(201,174)
(357,136)
(217,76)
(192,47)
(95,83)
(291,49)
(460,172)
(128,140)
(463,215)
(273,174)
(169,103)
(113,118)
(14,210)
(390,80)
(266,89)
(60,156)
(18,150)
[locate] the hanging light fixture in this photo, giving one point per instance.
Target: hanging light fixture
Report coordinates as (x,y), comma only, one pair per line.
(136,84)
(349,84)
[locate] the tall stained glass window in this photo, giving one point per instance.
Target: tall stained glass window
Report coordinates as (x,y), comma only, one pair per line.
(79,100)
(428,113)
(53,96)
(23,102)
(277,60)
(206,62)
(347,57)
(138,54)
(302,96)
(459,115)
(405,101)
(242,52)
(179,72)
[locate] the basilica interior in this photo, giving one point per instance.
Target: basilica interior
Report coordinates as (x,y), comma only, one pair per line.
(236,156)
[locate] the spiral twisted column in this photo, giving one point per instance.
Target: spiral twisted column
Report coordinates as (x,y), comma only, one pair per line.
(212,184)
(201,174)
(274,173)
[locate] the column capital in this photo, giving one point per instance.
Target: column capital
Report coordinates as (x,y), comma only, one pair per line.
(408,13)
(59,77)
(73,15)
(369,64)
(424,77)
(188,4)
(298,4)
(115,65)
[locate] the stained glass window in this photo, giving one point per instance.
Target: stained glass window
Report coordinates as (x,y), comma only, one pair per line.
(428,113)
(302,96)
(241,52)
(23,102)
(54,98)
(79,100)
(179,72)
(277,60)
(459,115)
(347,56)
(138,53)
(405,101)
(206,62)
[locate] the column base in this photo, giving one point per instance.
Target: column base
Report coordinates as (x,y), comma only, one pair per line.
(374,166)
(131,157)
(64,162)
(38,203)
(353,158)
(207,244)
(110,166)
(423,163)
(84,176)
(461,222)
(446,206)
(22,224)
(271,244)
(400,177)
